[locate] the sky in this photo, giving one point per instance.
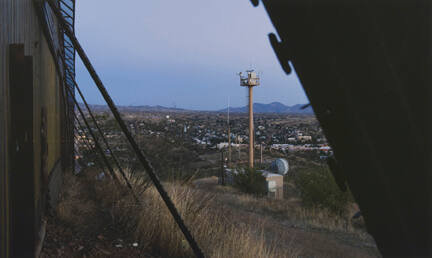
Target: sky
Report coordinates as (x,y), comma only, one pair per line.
(183,54)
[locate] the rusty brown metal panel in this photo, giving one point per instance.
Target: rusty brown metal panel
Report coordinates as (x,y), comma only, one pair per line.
(19,25)
(21,173)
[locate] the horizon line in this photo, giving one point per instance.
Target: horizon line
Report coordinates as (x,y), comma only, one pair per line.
(167,107)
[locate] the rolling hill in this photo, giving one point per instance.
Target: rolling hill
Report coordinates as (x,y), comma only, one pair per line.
(274,107)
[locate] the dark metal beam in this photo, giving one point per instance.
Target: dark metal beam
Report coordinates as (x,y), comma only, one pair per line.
(98,146)
(145,162)
(123,174)
(89,146)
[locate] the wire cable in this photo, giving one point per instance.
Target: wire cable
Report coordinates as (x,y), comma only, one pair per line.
(145,162)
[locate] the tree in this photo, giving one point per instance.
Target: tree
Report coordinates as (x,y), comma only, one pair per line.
(319,189)
(249,180)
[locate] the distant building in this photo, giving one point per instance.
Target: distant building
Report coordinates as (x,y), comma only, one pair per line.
(325,148)
(222,145)
(274,184)
(304,138)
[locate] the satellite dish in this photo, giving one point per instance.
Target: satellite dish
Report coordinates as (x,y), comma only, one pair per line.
(279,166)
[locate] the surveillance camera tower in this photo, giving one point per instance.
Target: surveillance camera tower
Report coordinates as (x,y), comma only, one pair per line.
(250,81)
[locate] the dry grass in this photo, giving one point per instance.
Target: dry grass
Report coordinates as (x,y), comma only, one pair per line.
(74,207)
(289,210)
(214,229)
(225,222)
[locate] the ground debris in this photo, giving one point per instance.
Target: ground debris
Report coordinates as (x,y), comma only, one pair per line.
(80,227)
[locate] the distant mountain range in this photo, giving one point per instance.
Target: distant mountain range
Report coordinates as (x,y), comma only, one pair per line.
(136,108)
(274,107)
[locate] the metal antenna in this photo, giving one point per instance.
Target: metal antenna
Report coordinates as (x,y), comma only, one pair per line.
(228,109)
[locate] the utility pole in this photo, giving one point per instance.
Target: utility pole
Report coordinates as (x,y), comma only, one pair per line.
(251,129)
(229,136)
(238,148)
(261,155)
(250,81)
(222,169)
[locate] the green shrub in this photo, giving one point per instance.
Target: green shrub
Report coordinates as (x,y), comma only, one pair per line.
(319,189)
(250,181)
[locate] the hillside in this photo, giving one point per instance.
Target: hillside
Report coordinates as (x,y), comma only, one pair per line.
(274,107)
(97,219)
(158,108)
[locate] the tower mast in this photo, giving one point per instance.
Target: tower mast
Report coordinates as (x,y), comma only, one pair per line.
(250,81)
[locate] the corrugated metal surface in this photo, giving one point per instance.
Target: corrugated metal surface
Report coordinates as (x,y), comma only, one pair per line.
(19,25)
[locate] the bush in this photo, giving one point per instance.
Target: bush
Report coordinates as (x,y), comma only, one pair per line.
(250,181)
(318,189)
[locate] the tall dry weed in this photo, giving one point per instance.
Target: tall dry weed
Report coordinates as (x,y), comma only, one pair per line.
(213,227)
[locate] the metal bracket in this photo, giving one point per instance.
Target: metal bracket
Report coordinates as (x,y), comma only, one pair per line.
(281,52)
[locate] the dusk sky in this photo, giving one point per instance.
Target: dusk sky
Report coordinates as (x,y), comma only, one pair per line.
(180,53)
